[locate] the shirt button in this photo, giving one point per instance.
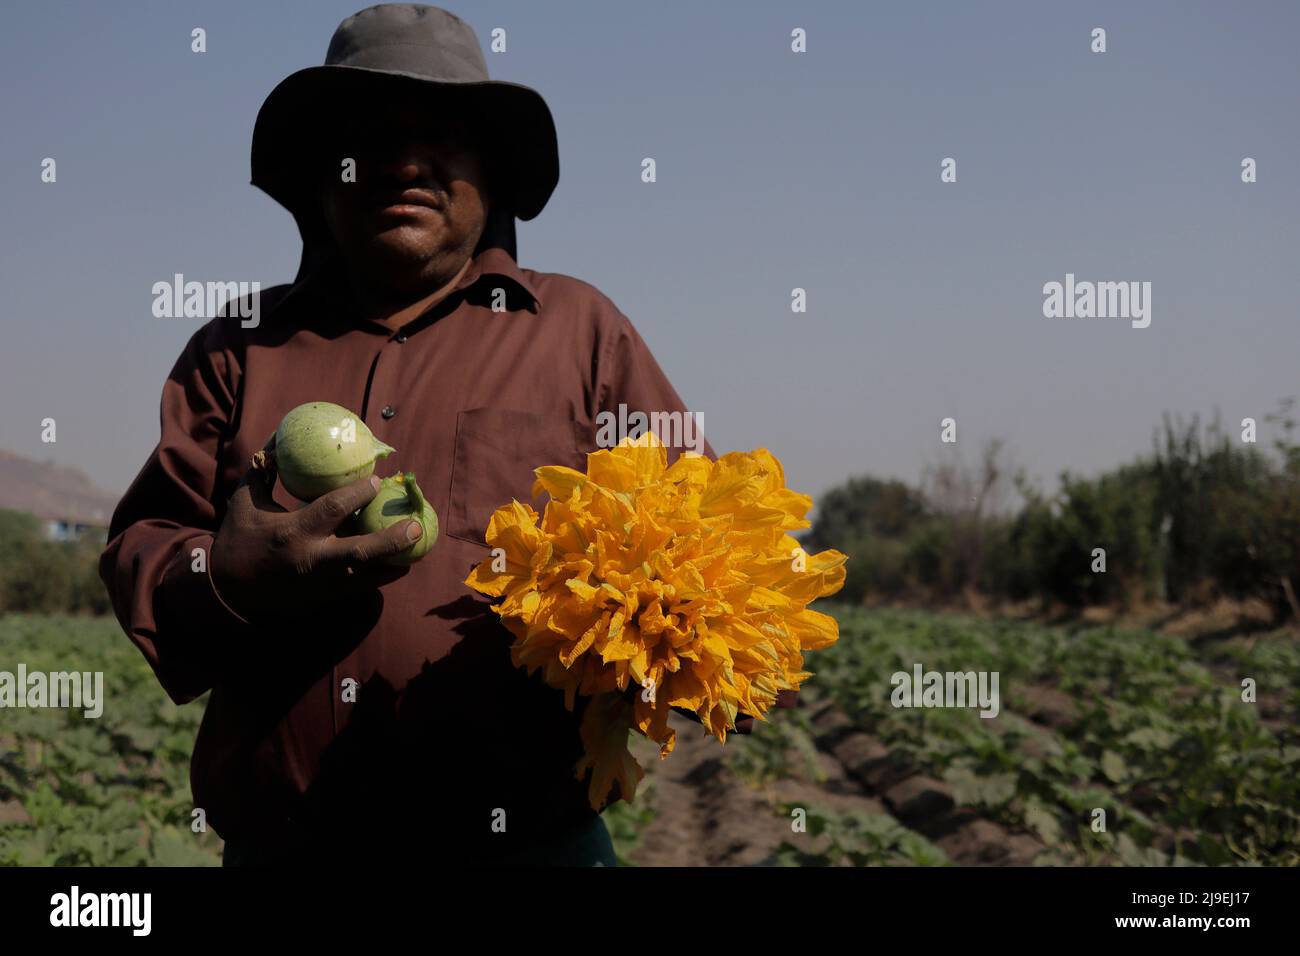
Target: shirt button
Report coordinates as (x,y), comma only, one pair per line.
(401,337)
(388,411)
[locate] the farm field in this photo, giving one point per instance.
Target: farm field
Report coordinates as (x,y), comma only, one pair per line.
(1148,727)
(113,791)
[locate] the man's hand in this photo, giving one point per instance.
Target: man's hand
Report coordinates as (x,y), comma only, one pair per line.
(267,562)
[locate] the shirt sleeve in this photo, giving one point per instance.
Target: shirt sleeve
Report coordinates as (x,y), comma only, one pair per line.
(628,375)
(156,563)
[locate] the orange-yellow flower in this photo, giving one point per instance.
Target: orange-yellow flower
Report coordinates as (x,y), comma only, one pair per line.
(683,582)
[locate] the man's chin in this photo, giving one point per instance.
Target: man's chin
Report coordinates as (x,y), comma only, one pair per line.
(400,249)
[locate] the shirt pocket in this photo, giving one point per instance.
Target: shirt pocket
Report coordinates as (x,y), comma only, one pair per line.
(496,452)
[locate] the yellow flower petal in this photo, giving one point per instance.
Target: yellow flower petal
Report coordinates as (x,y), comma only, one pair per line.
(683,578)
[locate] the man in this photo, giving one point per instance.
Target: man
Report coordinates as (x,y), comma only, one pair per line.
(360,712)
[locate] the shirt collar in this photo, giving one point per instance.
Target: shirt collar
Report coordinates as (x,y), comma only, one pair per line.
(496,261)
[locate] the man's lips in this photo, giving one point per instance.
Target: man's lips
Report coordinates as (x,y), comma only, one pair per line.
(407,202)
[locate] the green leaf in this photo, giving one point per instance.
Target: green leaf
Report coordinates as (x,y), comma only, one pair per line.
(174,847)
(1113,767)
(1043,822)
(1130,854)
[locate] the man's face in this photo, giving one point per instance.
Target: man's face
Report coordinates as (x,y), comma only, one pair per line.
(419,203)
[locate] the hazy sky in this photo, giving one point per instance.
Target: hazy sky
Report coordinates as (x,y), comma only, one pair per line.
(776,170)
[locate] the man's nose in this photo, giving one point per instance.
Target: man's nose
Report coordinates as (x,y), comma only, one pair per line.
(405,165)
(405,169)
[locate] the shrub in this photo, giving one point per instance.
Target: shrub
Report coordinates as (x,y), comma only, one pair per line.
(37,575)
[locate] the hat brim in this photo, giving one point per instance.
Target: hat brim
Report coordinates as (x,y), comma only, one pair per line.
(516,120)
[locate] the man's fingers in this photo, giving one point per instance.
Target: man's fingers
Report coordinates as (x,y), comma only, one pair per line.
(326,513)
(365,548)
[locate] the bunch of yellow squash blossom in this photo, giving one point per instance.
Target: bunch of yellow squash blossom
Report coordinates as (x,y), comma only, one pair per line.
(647,587)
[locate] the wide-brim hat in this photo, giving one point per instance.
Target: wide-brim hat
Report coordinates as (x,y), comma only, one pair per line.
(392,48)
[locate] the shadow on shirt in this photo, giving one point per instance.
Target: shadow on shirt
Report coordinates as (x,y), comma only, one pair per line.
(474,760)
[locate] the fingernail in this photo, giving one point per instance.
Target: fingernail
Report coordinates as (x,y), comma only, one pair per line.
(374,482)
(413,531)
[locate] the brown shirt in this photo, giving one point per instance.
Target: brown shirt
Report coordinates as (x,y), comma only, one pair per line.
(444,730)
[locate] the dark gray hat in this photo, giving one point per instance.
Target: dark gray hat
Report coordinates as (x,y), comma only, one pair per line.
(390,47)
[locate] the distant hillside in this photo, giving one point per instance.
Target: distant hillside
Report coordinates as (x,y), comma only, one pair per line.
(53,492)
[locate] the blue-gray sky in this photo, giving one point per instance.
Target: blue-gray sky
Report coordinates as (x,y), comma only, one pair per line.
(775,170)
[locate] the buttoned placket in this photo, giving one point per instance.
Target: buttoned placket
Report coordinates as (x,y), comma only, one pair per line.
(381,394)
(383,397)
